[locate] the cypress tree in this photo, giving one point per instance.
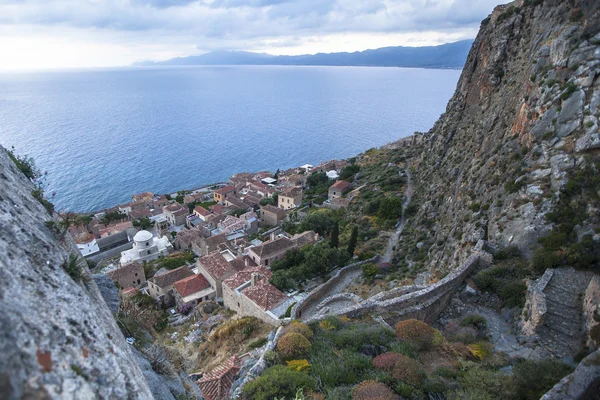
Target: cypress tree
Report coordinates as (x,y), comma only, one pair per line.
(334,239)
(353,240)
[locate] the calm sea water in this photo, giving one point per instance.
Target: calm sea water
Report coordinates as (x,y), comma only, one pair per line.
(104,135)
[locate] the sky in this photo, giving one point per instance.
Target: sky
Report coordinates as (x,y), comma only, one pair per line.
(55,34)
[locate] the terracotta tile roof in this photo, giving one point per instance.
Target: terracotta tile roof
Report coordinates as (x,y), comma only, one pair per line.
(126,270)
(215,265)
(168,278)
(215,384)
(225,189)
(304,238)
(275,210)
(341,185)
(202,211)
(182,211)
(236,202)
(213,241)
(188,236)
(264,295)
(292,192)
(173,207)
(245,275)
(273,247)
(217,208)
(191,284)
(239,263)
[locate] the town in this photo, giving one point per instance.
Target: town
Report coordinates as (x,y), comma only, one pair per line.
(193,251)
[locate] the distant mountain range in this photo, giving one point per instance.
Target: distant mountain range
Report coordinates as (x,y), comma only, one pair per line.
(450,55)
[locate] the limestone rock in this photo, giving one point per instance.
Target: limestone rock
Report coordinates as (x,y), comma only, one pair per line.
(108,290)
(58,339)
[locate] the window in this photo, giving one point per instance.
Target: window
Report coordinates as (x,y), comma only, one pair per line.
(136,274)
(138,281)
(147,244)
(267,262)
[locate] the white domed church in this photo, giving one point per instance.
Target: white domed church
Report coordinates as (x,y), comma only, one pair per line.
(146,247)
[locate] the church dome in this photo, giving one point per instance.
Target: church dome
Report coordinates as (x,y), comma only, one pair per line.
(142,236)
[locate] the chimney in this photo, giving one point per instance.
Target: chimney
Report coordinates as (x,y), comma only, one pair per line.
(272,235)
(253,279)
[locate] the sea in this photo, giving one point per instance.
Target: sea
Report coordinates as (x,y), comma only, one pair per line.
(102,135)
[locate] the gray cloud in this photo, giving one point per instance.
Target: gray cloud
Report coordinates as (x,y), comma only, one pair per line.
(250,23)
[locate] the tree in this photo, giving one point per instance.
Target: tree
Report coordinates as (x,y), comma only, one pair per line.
(316,179)
(353,240)
(320,221)
(334,240)
(390,208)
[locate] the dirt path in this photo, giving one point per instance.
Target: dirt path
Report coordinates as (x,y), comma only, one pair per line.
(389,252)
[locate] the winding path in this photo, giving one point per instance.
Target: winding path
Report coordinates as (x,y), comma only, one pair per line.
(351,276)
(389,252)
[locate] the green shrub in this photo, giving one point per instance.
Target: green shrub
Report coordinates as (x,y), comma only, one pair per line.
(534,378)
(543,259)
(255,344)
(373,390)
(408,371)
(278,381)
(478,383)
(293,345)
(416,332)
(513,186)
(369,271)
(301,328)
(475,320)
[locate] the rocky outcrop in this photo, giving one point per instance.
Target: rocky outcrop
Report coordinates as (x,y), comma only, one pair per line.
(591,313)
(524,115)
(58,339)
(582,384)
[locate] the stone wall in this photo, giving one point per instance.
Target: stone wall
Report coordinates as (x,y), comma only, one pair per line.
(583,383)
(535,305)
(591,313)
(246,307)
(425,303)
(58,339)
(319,293)
(258,367)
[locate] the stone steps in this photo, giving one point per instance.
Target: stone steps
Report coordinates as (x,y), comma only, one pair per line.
(561,332)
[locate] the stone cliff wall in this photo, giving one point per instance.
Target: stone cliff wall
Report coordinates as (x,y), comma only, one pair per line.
(524,114)
(58,339)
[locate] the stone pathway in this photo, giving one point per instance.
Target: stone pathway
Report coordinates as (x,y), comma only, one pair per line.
(561,333)
(348,278)
(393,241)
(352,276)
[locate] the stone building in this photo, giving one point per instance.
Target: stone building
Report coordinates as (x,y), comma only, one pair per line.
(129,276)
(290,198)
(276,248)
(249,293)
(220,195)
(192,290)
(271,215)
(145,248)
(175,214)
(160,285)
(338,189)
(215,268)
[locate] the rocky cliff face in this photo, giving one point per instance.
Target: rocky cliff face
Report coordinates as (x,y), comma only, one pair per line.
(58,340)
(523,118)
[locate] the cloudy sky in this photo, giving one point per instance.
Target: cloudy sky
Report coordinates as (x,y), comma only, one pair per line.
(38,34)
